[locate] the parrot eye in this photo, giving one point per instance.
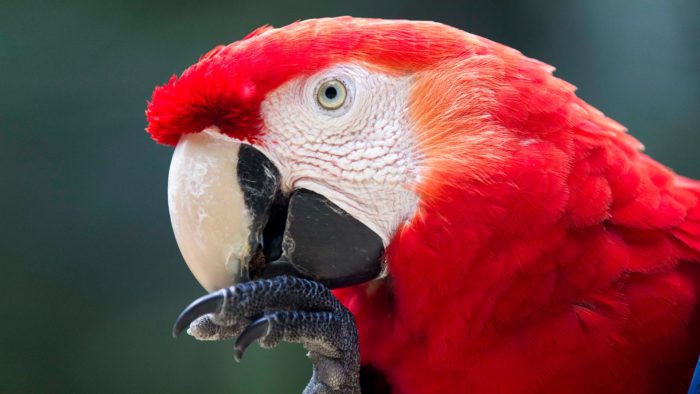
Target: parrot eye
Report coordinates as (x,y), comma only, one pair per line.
(331,94)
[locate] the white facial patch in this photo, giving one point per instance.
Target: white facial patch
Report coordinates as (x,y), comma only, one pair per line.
(362,155)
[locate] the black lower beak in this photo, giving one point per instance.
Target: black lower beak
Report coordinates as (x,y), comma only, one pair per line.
(324,243)
(303,234)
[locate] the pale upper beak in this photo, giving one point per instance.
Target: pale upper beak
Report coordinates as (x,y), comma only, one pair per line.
(233,223)
(207,207)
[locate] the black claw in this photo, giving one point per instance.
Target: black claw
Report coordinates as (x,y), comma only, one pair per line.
(210,303)
(255,330)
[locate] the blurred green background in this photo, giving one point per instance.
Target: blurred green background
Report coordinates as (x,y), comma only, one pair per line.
(91,278)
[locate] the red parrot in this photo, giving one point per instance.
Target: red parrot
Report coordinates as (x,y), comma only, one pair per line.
(508,237)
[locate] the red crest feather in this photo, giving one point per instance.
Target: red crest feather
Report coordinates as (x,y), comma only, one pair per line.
(228,83)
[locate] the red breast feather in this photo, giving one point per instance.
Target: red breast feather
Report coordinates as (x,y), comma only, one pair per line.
(549,254)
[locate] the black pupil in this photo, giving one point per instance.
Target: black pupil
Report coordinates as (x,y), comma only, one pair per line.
(331,92)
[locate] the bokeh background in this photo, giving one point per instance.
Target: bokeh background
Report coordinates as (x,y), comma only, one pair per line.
(90,276)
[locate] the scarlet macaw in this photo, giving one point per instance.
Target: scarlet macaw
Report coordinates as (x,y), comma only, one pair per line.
(487,230)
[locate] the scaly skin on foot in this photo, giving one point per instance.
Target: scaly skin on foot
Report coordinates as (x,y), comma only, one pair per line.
(283,308)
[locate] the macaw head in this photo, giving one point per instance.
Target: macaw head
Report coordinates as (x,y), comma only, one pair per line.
(307,149)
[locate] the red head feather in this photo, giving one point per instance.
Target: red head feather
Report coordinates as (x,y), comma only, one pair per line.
(225,87)
(549,251)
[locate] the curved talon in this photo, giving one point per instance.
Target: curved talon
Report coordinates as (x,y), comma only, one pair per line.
(283,309)
(210,303)
(255,330)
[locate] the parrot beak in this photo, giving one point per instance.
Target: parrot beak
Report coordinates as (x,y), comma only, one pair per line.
(232,222)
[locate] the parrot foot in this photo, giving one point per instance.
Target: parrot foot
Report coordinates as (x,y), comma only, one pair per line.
(283,308)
